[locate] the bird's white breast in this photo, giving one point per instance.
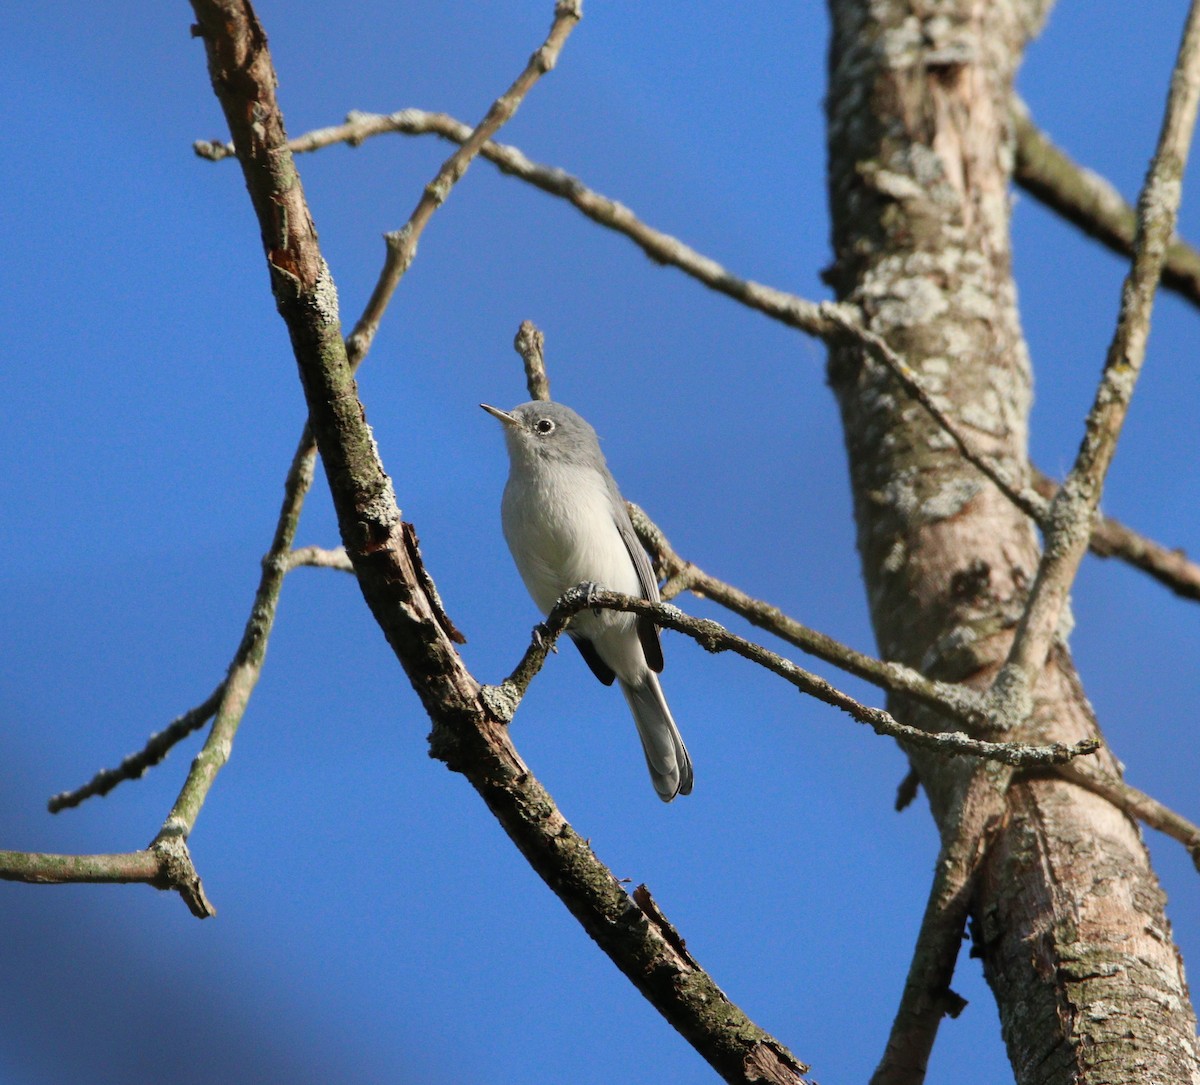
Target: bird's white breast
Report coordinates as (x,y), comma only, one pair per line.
(561,531)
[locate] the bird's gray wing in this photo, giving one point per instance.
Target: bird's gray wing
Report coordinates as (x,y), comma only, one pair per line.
(647,630)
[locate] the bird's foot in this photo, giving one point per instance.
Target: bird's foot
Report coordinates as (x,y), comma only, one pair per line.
(542,638)
(590,590)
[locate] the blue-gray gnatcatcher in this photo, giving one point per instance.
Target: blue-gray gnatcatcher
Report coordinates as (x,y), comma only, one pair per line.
(566,524)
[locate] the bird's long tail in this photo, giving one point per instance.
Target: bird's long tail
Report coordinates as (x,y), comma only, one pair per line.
(666,756)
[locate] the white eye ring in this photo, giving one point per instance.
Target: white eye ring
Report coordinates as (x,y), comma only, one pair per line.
(544,426)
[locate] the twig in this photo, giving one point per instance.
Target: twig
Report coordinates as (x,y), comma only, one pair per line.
(1091,202)
(714,637)
(927,996)
(402,247)
(166,864)
(319,558)
(662,248)
(137,764)
(1137,804)
(958,702)
(465,734)
(402,243)
(530,343)
(907,791)
(248,661)
(228,701)
(1068,527)
(1112,539)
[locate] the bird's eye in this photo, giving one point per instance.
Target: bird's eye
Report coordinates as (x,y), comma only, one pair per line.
(544,425)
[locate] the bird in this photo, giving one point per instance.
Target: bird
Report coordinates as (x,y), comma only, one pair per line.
(566,524)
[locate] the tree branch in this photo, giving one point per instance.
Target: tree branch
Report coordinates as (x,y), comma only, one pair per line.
(396,588)
(1110,539)
(1137,804)
(166,864)
(530,343)
(228,701)
(1067,530)
(1026,499)
(320,558)
(927,996)
(714,637)
(1069,524)
(1090,202)
(136,765)
(958,702)
(662,248)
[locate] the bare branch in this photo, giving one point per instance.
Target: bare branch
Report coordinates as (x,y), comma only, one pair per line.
(137,764)
(402,243)
(662,248)
(1112,539)
(927,996)
(166,864)
(955,701)
(465,733)
(1138,805)
(530,343)
(319,558)
(228,701)
(1069,524)
(714,637)
(1091,202)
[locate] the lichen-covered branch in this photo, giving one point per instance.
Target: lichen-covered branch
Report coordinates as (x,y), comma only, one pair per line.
(166,864)
(714,637)
(402,243)
(395,586)
(919,140)
(1069,523)
(1113,539)
(1110,539)
(1091,202)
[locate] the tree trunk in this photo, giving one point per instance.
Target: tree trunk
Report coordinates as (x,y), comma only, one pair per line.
(1067,914)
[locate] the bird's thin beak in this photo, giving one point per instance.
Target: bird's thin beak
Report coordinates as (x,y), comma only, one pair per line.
(504,416)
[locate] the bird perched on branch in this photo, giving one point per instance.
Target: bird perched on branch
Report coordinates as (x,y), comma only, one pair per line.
(566,524)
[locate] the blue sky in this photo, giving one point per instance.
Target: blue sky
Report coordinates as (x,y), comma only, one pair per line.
(374,923)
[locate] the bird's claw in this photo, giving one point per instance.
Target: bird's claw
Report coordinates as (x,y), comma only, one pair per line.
(542,638)
(590,590)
